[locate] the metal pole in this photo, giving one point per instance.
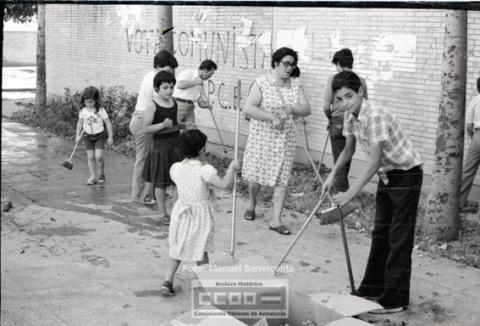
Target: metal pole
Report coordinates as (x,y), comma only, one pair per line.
(345,248)
(207,97)
(327,194)
(166,26)
(309,157)
(218,131)
(324,149)
(237,98)
(305,133)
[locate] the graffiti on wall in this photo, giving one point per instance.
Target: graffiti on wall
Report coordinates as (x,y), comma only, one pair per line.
(378,58)
(247,45)
(148,41)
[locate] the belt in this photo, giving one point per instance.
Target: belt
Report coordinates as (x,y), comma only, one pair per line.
(184,101)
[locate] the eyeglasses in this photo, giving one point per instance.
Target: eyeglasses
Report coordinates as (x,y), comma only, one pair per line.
(288,64)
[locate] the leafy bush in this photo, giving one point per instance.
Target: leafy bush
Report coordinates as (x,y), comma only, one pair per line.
(119,105)
(61,113)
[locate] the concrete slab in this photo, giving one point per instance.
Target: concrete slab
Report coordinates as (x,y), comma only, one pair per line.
(348,322)
(346,305)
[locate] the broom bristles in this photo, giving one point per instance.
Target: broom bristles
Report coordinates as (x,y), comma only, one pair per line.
(331,215)
(67,164)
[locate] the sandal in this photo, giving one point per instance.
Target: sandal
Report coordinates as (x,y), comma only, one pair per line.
(282,229)
(249,215)
(167,289)
(149,201)
(101,179)
(91,181)
(165,220)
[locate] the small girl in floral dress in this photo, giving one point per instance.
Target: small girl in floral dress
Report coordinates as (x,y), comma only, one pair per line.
(192,224)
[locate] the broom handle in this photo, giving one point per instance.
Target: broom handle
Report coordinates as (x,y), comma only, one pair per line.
(305,146)
(324,149)
(214,121)
(75,148)
(237,127)
(218,131)
(345,247)
(304,226)
(310,158)
(304,122)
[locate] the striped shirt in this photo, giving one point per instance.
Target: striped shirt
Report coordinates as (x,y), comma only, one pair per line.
(375,125)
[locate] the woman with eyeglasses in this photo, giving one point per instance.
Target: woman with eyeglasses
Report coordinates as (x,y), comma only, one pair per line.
(275,100)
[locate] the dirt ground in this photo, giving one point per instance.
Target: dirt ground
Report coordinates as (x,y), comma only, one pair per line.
(304,193)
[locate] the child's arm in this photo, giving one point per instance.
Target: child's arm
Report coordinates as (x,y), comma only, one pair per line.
(328,98)
(227,180)
(110,131)
(187,125)
(148,119)
(79,130)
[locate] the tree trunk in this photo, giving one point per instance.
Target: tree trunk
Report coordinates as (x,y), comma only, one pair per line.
(166,24)
(41,87)
(442,215)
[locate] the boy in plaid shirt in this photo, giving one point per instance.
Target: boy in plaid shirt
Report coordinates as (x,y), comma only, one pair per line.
(399,167)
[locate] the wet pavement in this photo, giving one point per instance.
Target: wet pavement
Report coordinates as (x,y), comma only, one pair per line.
(73,254)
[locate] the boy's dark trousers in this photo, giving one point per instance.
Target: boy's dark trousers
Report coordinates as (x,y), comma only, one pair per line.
(389,264)
(338,141)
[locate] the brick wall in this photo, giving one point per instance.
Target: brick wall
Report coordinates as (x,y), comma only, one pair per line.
(398,51)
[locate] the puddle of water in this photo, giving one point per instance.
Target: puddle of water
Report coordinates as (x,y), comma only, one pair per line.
(19,77)
(17,95)
(63,231)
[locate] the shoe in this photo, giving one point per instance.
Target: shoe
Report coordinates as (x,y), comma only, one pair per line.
(149,201)
(91,181)
(101,179)
(282,229)
(167,289)
(383,311)
(249,215)
(165,219)
(368,296)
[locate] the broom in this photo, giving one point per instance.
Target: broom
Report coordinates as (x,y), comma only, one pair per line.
(207,98)
(68,162)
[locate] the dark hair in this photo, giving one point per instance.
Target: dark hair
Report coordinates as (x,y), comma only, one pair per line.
(347,79)
(478,84)
(91,93)
(344,58)
(191,142)
(295,72)
(278,55)
(208,65)
(163,59)
(163,76)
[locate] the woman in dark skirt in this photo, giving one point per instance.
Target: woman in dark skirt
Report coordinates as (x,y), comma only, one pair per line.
(160,119)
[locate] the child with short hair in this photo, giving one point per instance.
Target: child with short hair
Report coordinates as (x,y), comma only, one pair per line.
(160,119)
(399,167)
(91,119)
(191,229)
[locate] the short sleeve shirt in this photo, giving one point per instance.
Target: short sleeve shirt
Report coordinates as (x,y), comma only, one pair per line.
(473,112)
(145,94)
(191,93)
(375,125)
(93,122)
(207,172)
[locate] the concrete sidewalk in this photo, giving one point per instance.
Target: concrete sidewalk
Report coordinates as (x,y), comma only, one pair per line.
(78,255)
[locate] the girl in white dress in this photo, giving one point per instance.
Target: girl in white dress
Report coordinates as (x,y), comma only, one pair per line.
(192,224)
